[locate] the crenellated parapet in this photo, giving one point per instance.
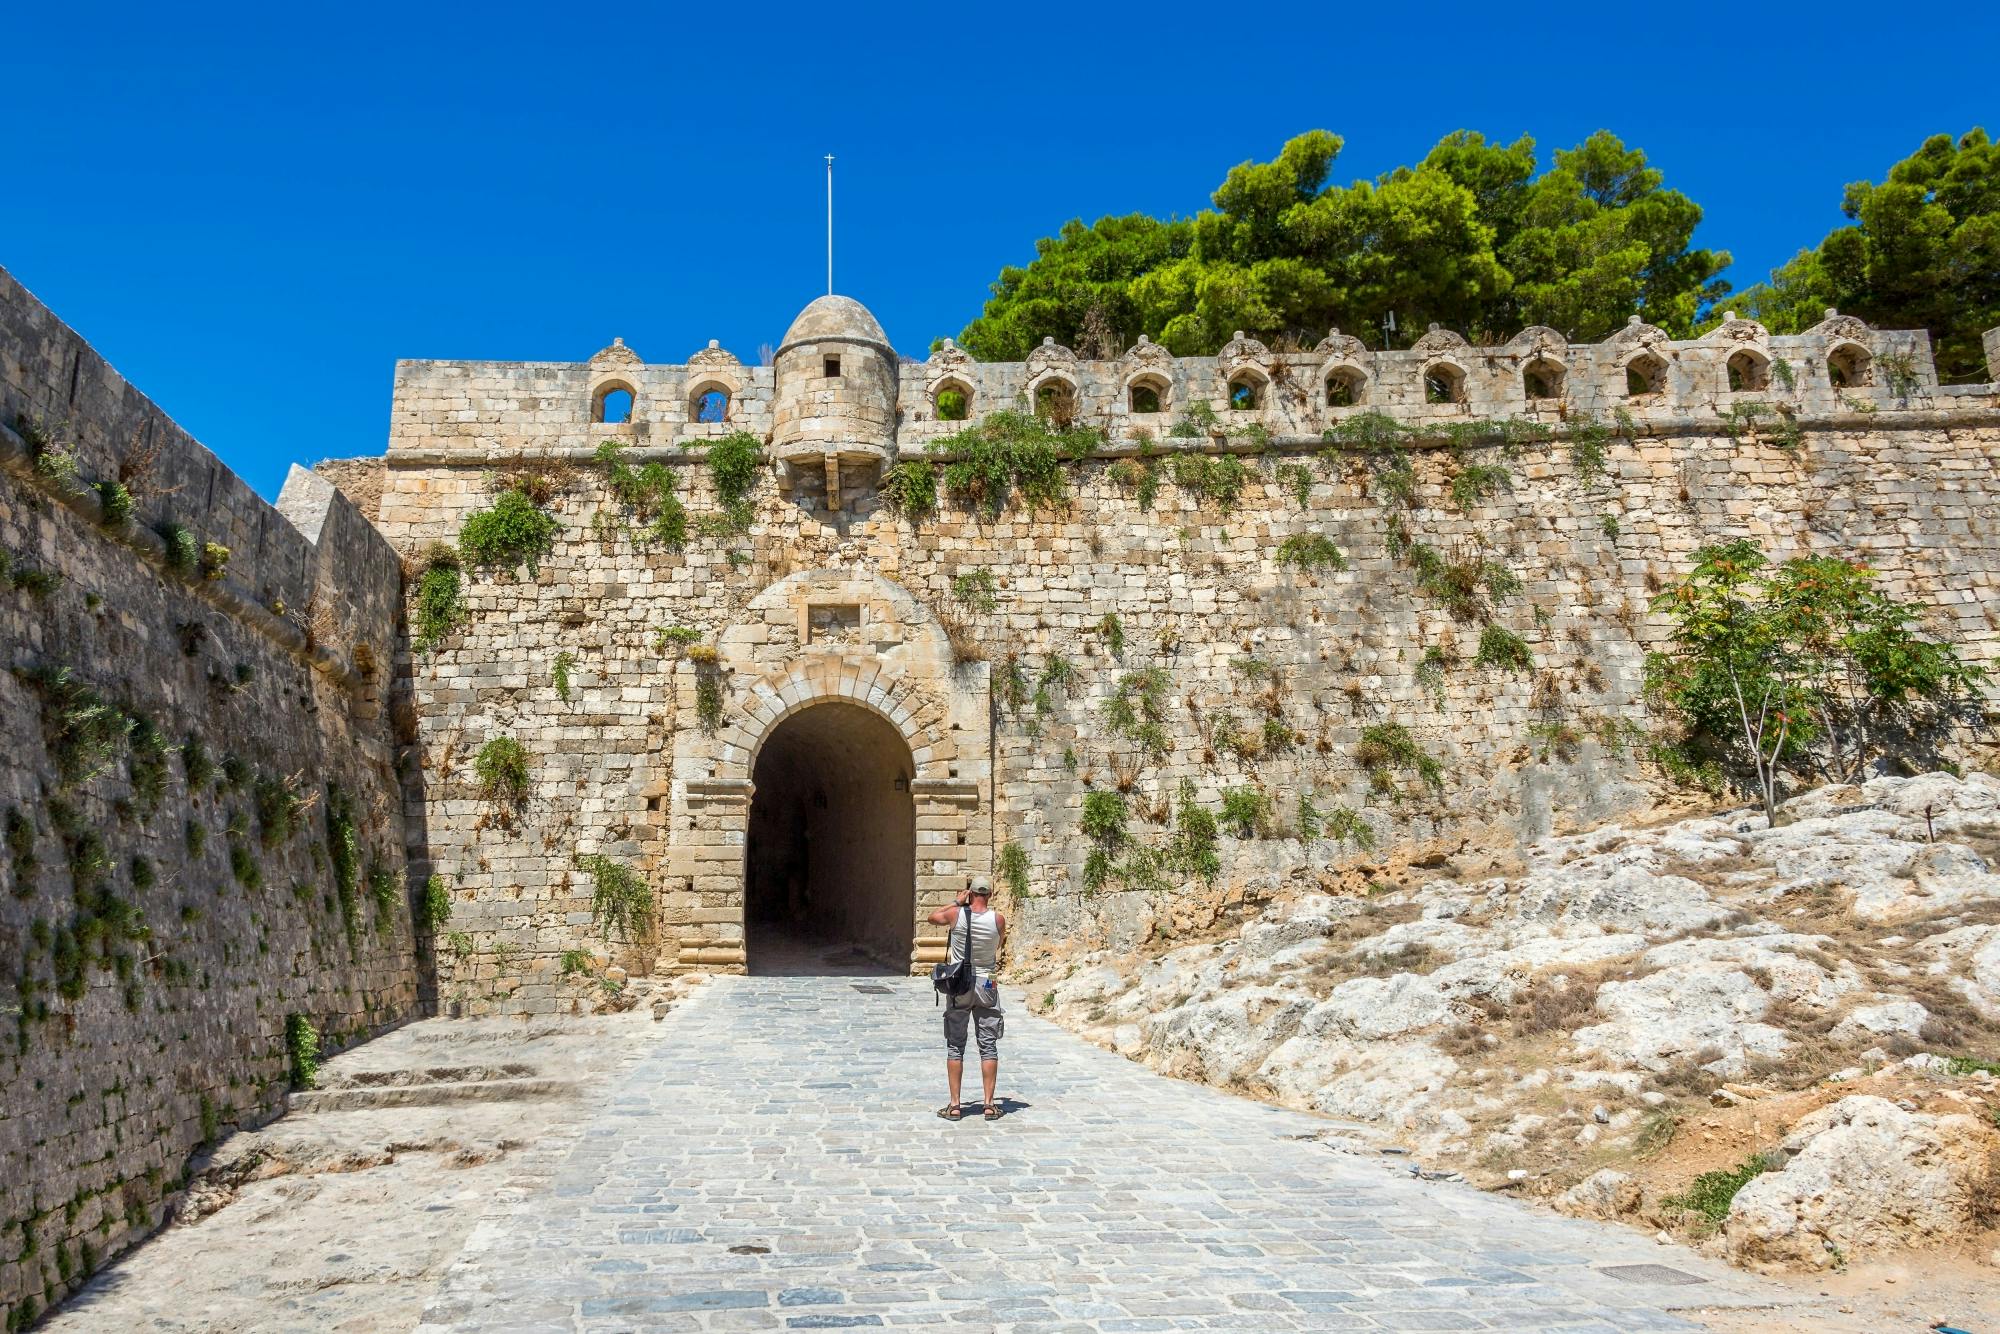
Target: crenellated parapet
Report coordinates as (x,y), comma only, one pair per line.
(838,397)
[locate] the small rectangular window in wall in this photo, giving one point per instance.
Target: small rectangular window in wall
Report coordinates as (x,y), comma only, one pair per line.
(833,368)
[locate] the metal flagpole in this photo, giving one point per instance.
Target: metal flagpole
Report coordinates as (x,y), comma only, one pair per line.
(829,224)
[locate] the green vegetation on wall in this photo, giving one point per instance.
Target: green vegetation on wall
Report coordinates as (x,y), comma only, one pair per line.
(513,531)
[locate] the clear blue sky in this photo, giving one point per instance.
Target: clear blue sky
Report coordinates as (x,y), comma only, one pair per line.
(254,213)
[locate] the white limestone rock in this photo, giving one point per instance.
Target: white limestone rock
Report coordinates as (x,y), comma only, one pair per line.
(1865,1023)
(1608,894)
(1225,1038)
(1865,1176)
(1680,1012)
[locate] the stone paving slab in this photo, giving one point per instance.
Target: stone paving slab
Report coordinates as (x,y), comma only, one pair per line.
(775,1165)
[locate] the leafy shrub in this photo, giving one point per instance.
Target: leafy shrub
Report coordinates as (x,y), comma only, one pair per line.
(147,764)
(1298,479)
(560,673)
(708,696)
(1709,1195)
(1246,811)
(1013,868)
(1217,477)
(1386,746)
(1344,826)
(243,863)
(1197,421)
(114,503)
(343,847)
(1431,668)
(27,577)
(183,548)
(514,531)
(732,466)
(974,589)
(1103,819)
(279,809)
(910,488)
(440,598)
(1138,708)
(620,902)
(676,639)
(302,1046)
(1112,631)
(214,560)
(434,905)
(1502,648)
(1587,439)
(1834,667)
(648,493)
(56,464)
(1140,477)
(1012,452)
(1476,481)
(386,887)
(85,732)
(502,767)
(1311,551)
(1192,849)
(576,961)
(196,766)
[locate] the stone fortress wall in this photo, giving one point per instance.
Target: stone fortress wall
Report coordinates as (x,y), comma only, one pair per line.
(1839,439)
(168,744)
(223,750)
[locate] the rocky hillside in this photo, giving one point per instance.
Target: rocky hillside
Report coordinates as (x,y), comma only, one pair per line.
(1780,1040)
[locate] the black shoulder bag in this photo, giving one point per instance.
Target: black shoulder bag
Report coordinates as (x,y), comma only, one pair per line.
(952,980)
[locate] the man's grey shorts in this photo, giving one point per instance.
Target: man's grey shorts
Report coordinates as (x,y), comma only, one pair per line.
(988,1023)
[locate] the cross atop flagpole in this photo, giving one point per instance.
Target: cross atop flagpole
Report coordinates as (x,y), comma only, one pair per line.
(829,224)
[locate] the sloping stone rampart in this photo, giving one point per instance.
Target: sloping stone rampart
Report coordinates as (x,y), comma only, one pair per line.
(169,900)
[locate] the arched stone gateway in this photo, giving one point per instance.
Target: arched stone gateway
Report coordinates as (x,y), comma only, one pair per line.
(837,687)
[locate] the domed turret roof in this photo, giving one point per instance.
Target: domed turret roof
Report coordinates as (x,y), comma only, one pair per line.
(835,317)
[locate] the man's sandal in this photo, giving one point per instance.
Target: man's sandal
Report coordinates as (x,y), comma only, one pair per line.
(951,1112)
(992,1113)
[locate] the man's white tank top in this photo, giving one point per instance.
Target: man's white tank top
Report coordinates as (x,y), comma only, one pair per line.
(985,941)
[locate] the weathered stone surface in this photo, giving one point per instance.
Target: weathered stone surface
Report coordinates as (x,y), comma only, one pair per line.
(1863,1176)
(170,902)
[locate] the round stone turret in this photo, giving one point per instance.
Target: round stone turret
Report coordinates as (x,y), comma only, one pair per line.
(835,403)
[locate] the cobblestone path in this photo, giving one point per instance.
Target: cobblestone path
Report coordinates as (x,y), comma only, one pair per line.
(775,1164)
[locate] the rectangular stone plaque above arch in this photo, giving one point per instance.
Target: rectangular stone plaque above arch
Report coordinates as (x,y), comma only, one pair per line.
(832,622)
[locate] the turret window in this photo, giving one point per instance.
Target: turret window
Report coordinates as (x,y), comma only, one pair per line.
(709,405)
(613,404)
(832,368)
(1645,374)
(1055,403)
(1542,379)
(1748,373)
(1443,383)
(953,402)
(1848,367)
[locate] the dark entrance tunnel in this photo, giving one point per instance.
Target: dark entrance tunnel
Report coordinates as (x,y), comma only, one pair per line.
(829,867)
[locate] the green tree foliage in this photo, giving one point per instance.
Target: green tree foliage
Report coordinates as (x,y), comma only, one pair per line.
(1921,251)
(1470,237)
(1804,666)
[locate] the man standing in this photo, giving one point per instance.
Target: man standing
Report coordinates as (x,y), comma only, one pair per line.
(973,923)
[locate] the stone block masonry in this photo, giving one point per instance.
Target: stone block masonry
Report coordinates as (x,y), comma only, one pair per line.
(191,724)
(1246,596)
